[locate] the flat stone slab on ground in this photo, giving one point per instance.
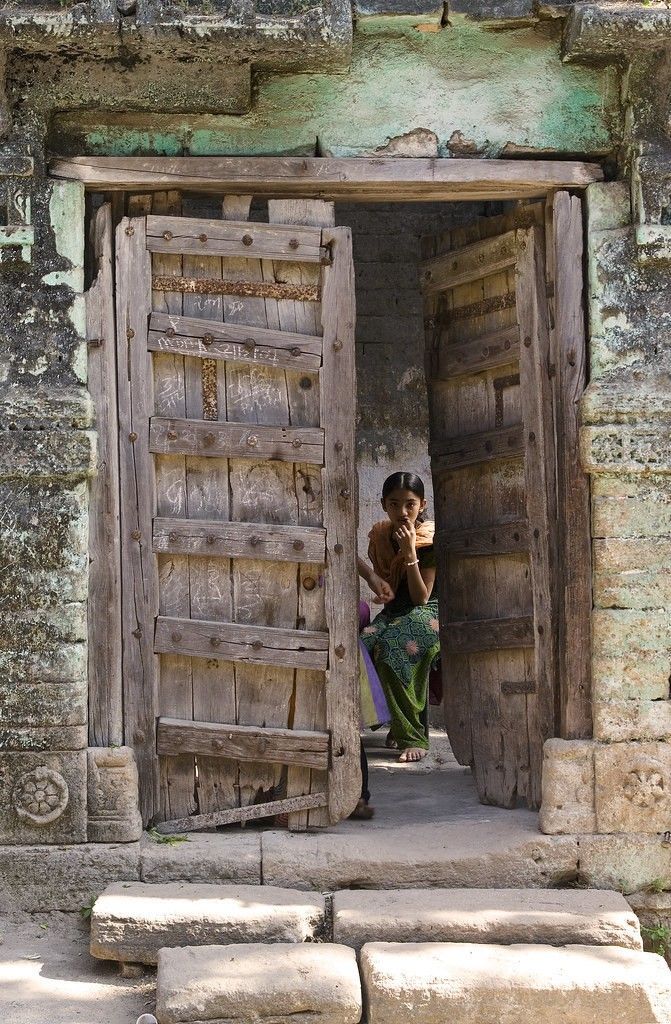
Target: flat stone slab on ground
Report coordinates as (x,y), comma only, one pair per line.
(132,921)
(203,857)
(552,917)
(470,983)
(302,984)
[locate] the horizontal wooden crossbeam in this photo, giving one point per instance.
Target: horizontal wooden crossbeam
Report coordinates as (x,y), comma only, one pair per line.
(245,289)
(503,538)
(235,238)
(193,336)
(489,634)
(239,540)
(472,449)
(236,440)
(253,812)
(264,645)
(358,179)
(484,353)
(243,743)
(482,259)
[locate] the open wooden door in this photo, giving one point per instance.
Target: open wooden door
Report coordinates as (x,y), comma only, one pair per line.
(236,437)
(494,470)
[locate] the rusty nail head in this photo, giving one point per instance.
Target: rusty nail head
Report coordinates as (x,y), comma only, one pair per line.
(249,344)
(215,641)
(254,540)
(208,439)
(506,345)
(167,235)
(337,345)
(309,582)
(252,441)
(170,332)
(345,492)
(138,736)
(207,339)
(175,637)
(532,436)
(136,535)
(218,744)
(257,644)
(338,548)
(247,239)
(293,244)
(298,545)
(210,539)
(295,351)
(340,651)
(172,536)
(527,342)
(172,435)
(339,446)
(132,436)
(297,443)
(129,230)
(130,333)
(202,238)
(305,383)
(137,632)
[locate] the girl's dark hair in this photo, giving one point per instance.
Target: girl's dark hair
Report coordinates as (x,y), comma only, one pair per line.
(405,482)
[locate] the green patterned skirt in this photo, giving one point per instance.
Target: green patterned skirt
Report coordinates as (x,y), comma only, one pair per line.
(403,648)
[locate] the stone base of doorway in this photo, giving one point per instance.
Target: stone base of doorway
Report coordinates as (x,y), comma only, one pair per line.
(431,982)
(484,855)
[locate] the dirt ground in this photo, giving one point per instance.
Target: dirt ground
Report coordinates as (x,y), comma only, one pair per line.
(47,975)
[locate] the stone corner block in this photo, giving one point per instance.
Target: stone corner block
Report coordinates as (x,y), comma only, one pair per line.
(629,862)
(43,797)
(114,815)
(608,205)
(633,787)
(306,982)
(203,857)
(568,787)
(133,921)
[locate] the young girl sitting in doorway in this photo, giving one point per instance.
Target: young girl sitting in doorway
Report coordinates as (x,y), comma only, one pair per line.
(403,639)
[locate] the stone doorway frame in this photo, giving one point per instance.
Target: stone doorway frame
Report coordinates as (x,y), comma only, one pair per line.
(356,180)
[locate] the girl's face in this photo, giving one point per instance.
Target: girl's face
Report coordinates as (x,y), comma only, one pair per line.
(403,507)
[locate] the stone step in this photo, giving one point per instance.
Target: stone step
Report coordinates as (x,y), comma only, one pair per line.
(472,983)
(132,921)
(305,983)
(552,917)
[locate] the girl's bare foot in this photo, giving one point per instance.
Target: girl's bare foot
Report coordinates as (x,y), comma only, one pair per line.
(412,754)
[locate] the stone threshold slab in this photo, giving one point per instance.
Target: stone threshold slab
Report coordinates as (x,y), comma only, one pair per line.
(132,921)
(502,916)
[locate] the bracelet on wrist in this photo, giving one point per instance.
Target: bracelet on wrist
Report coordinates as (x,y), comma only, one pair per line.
(416,562)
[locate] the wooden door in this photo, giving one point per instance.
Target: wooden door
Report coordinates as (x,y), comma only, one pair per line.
(493,462)
(236,437)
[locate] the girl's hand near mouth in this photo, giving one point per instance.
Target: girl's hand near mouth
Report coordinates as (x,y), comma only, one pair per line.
(406,537)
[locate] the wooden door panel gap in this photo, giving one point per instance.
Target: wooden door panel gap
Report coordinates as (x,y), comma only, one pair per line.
(472,449)
(239,540)
(262,645)
(236,440)
(243,743)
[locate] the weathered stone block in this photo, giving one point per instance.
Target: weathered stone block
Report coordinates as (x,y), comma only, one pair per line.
(204,857)
(631,506)
(241,982)
(44,797)
(474,984)
(113,814)
(632,573)
(492,10)
(622,720)
(134,921)
(653,910)
(633,787)
(51,661)
(568,787)
(40,704)
(65,454)
(500,916)
(640,675)
(506,856)
(608,206)
(398,12)
(43,878)
(626,862)
(51,737)
(629,449)
(623,631)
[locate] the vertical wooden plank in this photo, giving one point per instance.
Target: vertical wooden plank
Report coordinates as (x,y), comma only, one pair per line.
(177,774)
(569,357)
(104,596)
(260,491)
(539,465)
(309,711)
(139,578)
(337,391)
(209,578)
